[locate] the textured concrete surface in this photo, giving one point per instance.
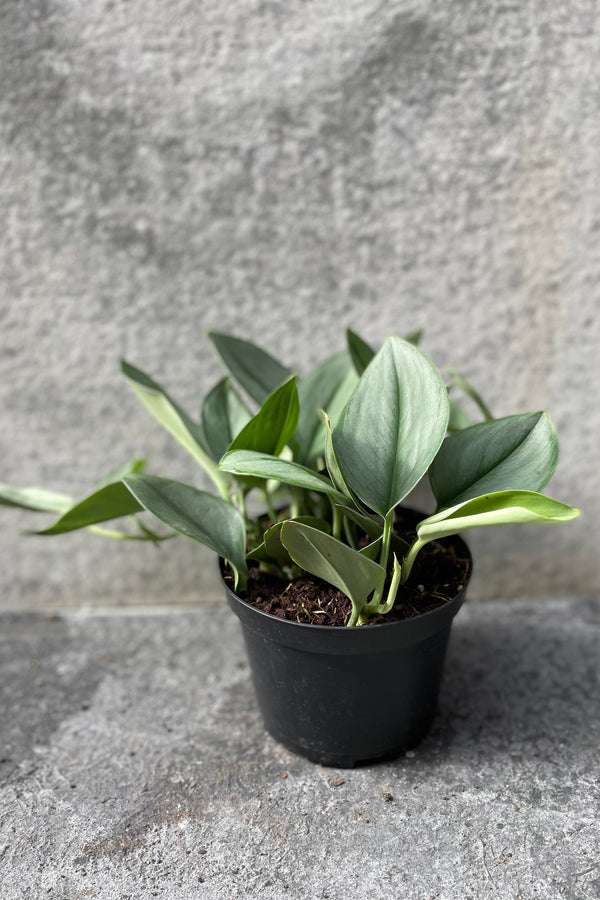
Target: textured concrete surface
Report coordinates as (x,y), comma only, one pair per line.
(133,764)
(281,169)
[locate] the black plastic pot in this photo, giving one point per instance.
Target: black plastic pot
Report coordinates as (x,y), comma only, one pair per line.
(346,696)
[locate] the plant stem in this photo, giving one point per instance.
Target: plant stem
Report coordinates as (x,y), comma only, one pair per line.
(350,533)
(380,609)
(353,620)
(296,503)
(388,527)
(409,559)
(336,526)
(269,505)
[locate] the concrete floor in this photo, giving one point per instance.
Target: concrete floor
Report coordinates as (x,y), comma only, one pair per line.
(133,764)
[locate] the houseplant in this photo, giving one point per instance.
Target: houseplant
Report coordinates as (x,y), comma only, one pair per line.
(337,452)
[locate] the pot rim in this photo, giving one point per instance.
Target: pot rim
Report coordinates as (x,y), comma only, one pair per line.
(336,638)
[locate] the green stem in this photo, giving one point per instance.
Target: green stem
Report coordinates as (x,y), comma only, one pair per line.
(269,505)
(296,503)
(388,527)
(409,559)
(115,535)
(336,525)
(350,533)
(353,620)
(380,609)
(395,583)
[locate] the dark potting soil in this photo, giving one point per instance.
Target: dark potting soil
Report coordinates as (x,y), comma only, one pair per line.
(438,574)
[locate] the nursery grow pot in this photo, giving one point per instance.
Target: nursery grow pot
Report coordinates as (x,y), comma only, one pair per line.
(348,696)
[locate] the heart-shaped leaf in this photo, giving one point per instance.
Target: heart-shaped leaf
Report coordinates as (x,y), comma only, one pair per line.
(256,371)
(176,421)
(224,414)
(514,453)
(354,574)
(196,514)
(262,465)
(273,425)
(392,426)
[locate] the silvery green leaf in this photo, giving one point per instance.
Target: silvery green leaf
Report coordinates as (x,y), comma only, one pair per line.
(262,465)
(327,387)
(392,426)
(197,515)
(514,453)
(354,574)
(224,414)
(256,371)
(172,417)
(36,499)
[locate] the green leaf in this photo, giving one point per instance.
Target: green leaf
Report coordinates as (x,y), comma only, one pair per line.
(360,352)
(392,426)
(331,461)
(273,425)
(500,508)
(328,386)
(224,414)
(100,506)
(470,391)
(196,514)
(111,502)
(175,420)
(372,550)
(258,373)
(370,527)
(514,453)
(354,574)
(415,336)
(262,465)
(131,467)
(271,547)
(36,499)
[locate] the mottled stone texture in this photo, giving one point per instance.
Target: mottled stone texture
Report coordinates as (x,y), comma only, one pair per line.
(133,764)
(280,170)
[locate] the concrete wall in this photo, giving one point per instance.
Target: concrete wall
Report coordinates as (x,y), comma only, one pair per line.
(280,170)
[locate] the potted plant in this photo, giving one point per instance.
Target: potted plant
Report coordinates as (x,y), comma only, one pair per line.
(333,455)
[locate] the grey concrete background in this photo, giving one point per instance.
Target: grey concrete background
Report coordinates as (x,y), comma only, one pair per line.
(281,170)
(133,764)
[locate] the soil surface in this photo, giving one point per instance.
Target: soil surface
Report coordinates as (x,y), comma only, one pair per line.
(440,571)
